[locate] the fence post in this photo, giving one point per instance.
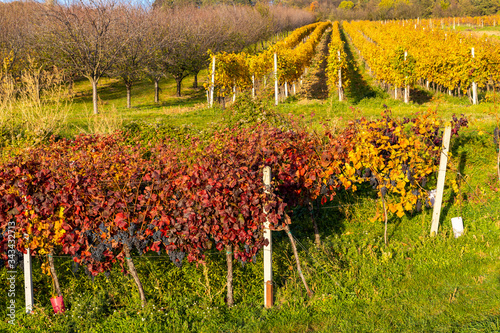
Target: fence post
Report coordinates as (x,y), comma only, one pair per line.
(268,249)
(340,78)
(212,87)
(440,182)
(253,85)
(407,86)
(28,280)
(474,85)
(276,90)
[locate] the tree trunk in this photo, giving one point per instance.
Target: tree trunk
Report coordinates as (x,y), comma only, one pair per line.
(129,94)
(229,258)
(207,281)
(195,82)
(179,85)
(385,219)
(157,90)
(133,272)
(94,82)
(53,273)
(317,239)
(70,87)
(297,260)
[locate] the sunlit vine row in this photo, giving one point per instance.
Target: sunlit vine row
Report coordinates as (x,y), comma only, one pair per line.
(241,70)
(440,57)
(337,60)
(98,199)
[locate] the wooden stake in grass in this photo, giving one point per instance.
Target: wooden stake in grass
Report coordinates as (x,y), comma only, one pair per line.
(297,260)
(440,183)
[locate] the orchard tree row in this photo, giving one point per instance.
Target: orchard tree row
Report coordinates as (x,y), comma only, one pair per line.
(90,39)
(100,200)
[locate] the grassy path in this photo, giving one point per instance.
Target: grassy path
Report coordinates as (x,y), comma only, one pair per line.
(361,83)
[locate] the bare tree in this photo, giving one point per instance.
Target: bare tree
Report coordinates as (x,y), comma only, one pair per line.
(158,37)
(16,31)
(87,36)
(183,49)
(132,57)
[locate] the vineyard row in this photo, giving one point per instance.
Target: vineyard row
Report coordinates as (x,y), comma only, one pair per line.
(99,200)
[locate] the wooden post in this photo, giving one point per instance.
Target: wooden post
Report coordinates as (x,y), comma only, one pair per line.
(234,93)
(268,249)
(212,87)
(474,85)
(440,182)
(28,280)
(276,90)
(286,89)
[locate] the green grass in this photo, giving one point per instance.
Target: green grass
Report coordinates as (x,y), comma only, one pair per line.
(414,284)
(465,27)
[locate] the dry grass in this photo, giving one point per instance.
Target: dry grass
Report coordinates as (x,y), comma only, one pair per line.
(107,121)
(35,107)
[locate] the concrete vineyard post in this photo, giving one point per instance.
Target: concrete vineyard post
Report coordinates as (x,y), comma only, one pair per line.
(474,85)
(407,86)
(276,90)
(253,85)
(268,249)
(340,79)
(440,182)
(212,87)
(28,280)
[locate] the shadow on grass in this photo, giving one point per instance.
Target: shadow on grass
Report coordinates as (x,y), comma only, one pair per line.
(420,96)
(142,95)
(358,88)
